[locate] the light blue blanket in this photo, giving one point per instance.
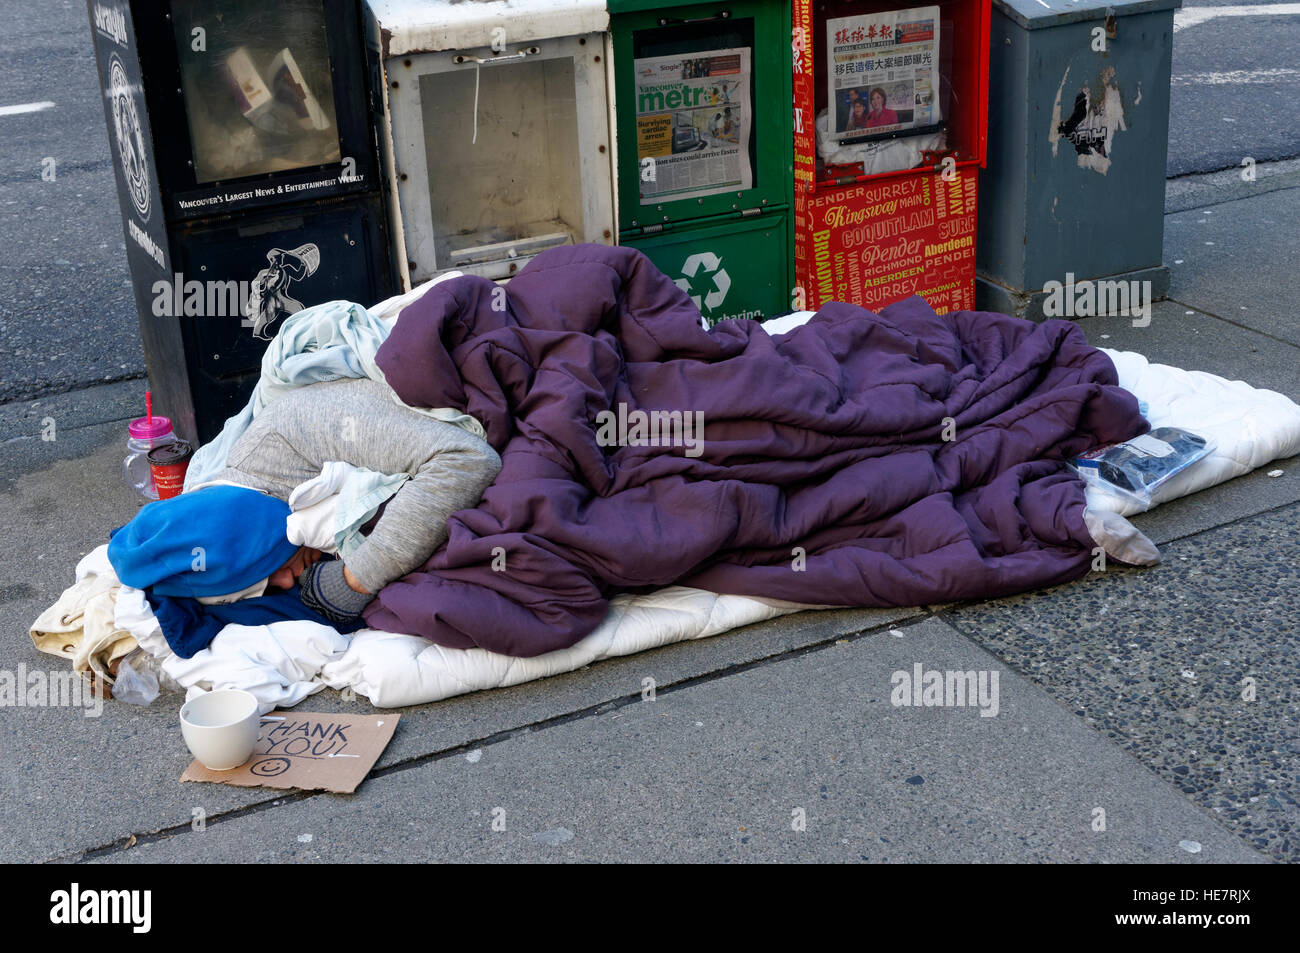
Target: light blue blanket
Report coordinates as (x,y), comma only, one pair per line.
(326,342)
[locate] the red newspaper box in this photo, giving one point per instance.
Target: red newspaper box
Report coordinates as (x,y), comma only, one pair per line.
(890,125)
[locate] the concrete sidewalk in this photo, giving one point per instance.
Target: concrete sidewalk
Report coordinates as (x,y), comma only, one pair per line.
(1121,733)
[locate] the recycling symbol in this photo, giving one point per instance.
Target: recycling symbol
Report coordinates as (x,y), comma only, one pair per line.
(698,267)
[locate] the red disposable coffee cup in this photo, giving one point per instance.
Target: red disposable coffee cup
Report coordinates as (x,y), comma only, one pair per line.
(168,464)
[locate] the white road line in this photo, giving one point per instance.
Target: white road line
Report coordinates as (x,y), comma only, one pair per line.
(1280,75)
(1191,16)
(24,108)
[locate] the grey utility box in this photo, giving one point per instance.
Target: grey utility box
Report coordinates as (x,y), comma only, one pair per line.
(1077,147)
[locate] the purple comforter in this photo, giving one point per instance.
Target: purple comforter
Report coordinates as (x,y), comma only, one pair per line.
(823,476)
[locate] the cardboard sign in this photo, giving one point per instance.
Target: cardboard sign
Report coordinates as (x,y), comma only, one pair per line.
(314,751)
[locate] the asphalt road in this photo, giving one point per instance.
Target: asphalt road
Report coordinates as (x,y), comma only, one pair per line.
(66,316)
(1235,88)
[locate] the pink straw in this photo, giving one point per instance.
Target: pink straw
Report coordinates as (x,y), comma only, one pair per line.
(148,405)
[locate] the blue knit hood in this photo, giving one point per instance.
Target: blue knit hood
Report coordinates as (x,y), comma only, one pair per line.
(210,542)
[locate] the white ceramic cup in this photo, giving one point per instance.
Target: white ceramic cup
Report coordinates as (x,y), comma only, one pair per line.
(221,728)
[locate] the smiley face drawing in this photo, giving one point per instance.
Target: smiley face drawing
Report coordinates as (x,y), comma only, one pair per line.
(270,767)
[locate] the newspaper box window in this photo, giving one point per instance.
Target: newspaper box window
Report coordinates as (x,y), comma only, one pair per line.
(886,94)
(694,115)
(261,104)
(890,131)
(704,149)
(519,146)
(499,132)
(258,84)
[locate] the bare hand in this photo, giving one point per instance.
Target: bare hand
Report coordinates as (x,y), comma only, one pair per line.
(354,582)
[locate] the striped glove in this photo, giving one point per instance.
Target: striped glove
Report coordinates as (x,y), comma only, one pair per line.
(324,590)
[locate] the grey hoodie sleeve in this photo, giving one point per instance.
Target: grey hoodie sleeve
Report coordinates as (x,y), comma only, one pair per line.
(414,524)
(358,422)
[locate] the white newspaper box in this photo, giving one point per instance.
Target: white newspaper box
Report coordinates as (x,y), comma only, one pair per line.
(496,134)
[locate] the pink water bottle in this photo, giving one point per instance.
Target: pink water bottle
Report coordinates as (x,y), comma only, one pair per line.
(143,434)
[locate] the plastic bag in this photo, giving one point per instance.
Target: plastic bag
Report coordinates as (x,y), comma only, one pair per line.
(139,679)
(885,155)
(1137,467)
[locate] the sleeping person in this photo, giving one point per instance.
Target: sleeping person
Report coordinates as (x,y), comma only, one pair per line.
(287,444)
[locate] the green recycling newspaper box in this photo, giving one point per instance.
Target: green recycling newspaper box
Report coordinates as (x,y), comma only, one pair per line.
(704,149)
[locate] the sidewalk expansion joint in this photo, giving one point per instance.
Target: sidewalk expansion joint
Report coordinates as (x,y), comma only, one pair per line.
(59,389)
(1236,520)
(1128,751)
(136,840)
(506,734)
(1236,169)
(624,701)
(73,429)
(1227,320)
